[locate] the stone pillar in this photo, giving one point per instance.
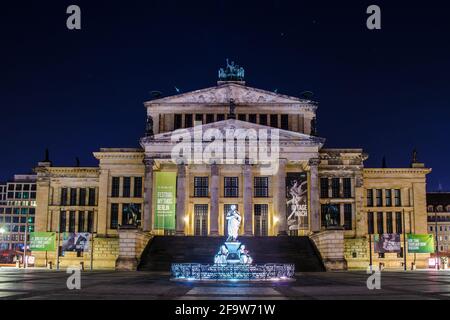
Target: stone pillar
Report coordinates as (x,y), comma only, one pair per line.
(148,196)
(181,199)
(314,195)
(214,214)
(281,198)
(248,204)
(103,192)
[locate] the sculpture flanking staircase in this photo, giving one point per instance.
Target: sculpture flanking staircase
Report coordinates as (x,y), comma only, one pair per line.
(161,252)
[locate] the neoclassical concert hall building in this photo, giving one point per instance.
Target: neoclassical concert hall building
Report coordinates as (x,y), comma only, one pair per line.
(196,160)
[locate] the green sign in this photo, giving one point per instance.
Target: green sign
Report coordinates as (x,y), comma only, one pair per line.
(420,243)
(42,241)
(164,199)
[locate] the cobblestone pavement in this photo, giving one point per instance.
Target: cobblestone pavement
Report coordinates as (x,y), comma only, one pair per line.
(50,285)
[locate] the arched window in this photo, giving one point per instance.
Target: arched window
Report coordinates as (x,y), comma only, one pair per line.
(440,208)
(430,208)
(448,208)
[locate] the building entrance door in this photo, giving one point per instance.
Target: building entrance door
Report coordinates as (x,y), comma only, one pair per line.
(201,220)
(261,214)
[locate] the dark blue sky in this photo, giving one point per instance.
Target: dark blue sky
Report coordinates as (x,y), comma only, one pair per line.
(76,91)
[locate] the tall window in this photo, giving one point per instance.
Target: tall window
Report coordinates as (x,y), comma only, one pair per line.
(380,225)
(188,121)
(379,197)
(370,223)
(178,121)
(348,221)
(397,197)
(252,118)
(91,200)
(201,187)
(64,196)
(242,117)
(115,187)
(126,187)
(261,212)
(398,223)
(114,215)
(81,221)
(389,225)
(62,221)
(201,220)
(347,187)
(370,197)
(231,185)
(274,120)
(324,185)
(261,187)
(209,118)
(285,122)
(82,199)
(388,193)
(198,119)
(335,186)
(73,196)
(72,221)
(138,187)
(220,117)
(90,223)
(125,207)
(263,119)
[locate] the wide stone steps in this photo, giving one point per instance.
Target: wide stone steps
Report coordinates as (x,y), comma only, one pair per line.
(161,252)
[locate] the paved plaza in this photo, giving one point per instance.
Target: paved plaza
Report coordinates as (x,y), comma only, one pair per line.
(51,285)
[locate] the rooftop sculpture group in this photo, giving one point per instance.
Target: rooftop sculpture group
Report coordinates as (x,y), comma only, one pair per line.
(232,72)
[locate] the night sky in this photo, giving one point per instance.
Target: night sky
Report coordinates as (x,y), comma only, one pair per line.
(385,91)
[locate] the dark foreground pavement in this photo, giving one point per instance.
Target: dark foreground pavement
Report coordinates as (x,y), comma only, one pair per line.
(40,284)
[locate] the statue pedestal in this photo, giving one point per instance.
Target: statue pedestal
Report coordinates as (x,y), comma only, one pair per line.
(233,251)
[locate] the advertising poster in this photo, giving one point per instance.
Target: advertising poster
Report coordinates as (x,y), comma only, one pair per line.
(165,200)
(75,242)
(387,243)
(421,243)
(42,241)
(297,200)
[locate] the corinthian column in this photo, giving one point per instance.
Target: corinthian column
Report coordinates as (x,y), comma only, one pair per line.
(248,205)
(314,194)
(214,214)
(181,199)
(281,198)
(148,195)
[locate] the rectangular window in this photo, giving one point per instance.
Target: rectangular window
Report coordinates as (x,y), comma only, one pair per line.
(335,187)
(370,223)
(324,186)
(90,224)
(82,199)
(261,227)
(370,198)
(114,216)
(220,117)
(201,187)
(73,196)
(252,118)
(178,121)
(198,119)
(389,225)
(398,223)
(274,120)
(64,196)
(261,187)
(347,187)
(242,117)
(126,193)
(62,221)
(188,123)
(72,221)
(91,200)
(379,194)
(81,221)
(137,187)
(115,187)
(209,118)
(263,119)
(380,223)
(348,216)
(125,207)
(398,199)
(388,193)
(201,220)
(231,187)
(285,122)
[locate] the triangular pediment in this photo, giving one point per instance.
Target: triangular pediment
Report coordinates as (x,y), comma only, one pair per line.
(223,93)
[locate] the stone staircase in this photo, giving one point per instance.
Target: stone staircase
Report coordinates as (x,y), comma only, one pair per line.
(161,252)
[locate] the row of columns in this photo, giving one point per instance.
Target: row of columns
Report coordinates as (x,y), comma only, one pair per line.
(280,203)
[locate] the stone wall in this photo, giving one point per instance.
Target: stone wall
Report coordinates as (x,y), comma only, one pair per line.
(132,243)
(330,244)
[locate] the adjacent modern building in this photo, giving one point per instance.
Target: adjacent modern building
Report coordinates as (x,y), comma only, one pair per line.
(438,207)
(234,144)
(17,210)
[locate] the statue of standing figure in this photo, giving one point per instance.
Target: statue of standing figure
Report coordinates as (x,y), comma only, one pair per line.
(234,222)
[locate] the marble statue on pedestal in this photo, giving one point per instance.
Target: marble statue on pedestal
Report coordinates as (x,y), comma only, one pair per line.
(234,222)
(221,256)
